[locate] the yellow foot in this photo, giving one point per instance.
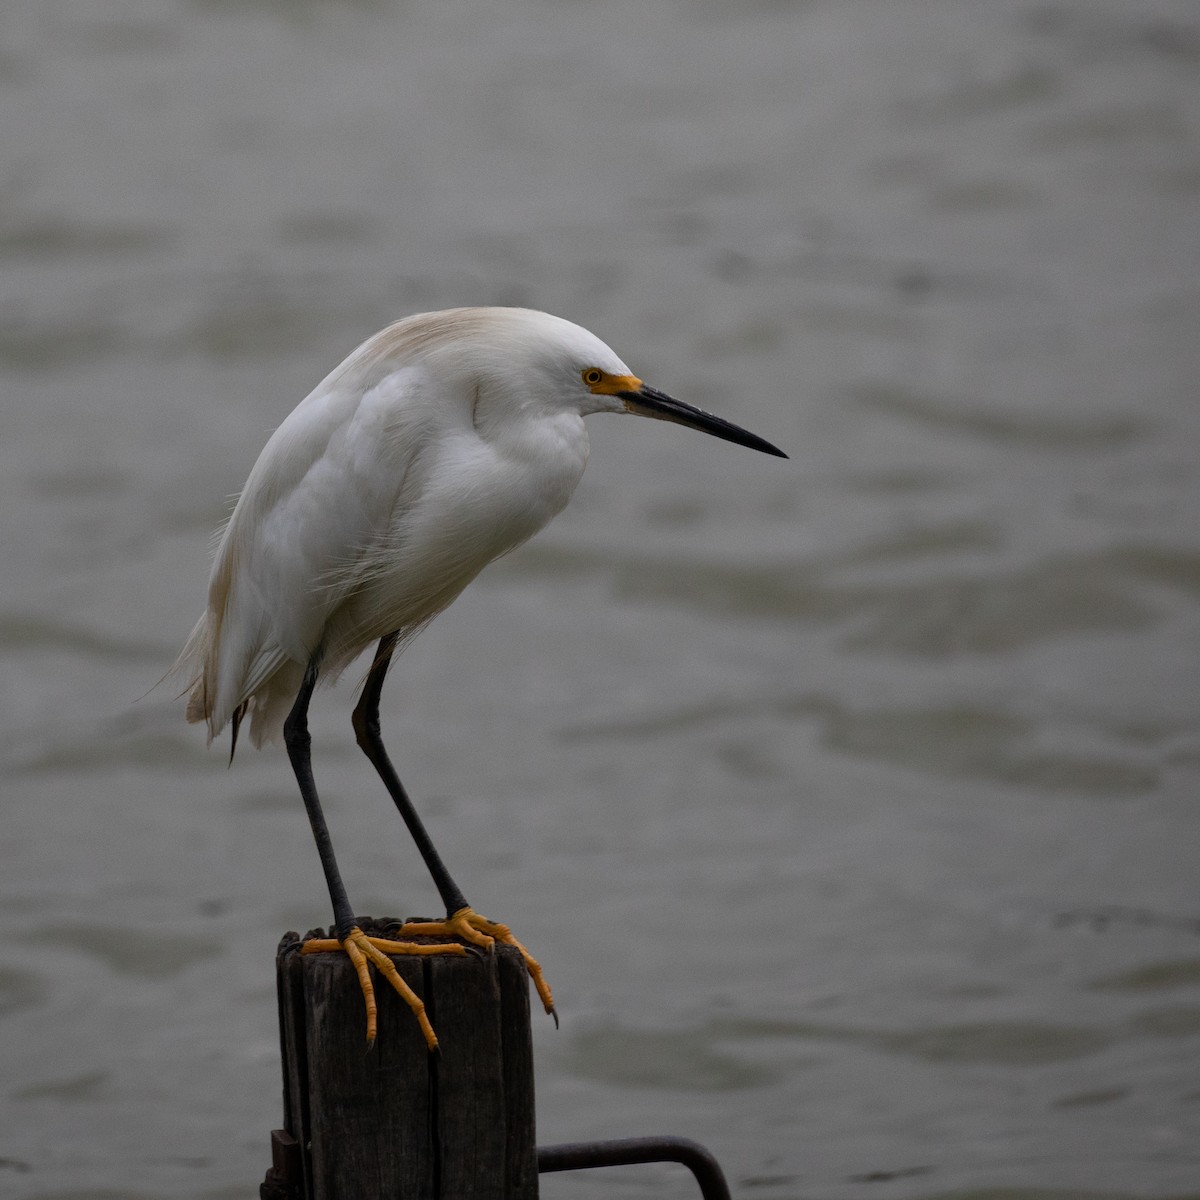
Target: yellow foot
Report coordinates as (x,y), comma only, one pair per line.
(479,931)
(361,950)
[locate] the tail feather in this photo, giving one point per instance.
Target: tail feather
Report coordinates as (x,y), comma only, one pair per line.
(270,705)
(238,714)
(191,663)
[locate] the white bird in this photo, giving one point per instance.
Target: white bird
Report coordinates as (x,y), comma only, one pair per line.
(441,443)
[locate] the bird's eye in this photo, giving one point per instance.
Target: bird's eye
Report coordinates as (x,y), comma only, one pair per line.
(592,376)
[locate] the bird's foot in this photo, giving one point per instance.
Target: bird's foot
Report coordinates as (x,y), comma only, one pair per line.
(467,924)
(363,950)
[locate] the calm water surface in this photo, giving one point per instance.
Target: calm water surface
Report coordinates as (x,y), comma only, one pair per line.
(849,801)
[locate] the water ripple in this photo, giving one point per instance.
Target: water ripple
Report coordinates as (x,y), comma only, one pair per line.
(22,631)
(956,414)
(1153,977)
(940,615)
(125,951)
(18,990)
(684,1060)
(975,742)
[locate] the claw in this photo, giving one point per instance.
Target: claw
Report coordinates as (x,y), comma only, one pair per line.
(362,950)
(467,924)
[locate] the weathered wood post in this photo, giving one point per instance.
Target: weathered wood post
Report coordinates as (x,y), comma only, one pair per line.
(394,1122)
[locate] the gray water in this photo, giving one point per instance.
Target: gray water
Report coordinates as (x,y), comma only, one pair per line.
(849,801)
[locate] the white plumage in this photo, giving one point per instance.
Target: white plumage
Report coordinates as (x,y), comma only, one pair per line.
(441,443)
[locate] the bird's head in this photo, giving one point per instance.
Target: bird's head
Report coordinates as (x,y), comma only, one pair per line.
(574,369)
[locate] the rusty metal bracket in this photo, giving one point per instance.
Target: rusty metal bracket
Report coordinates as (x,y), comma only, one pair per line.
(285,1178)
(624,1152)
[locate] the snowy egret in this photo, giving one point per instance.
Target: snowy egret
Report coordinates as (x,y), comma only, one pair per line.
(441,443)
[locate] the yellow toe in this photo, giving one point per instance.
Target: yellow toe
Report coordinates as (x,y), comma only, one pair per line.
(467,924)
(363,950)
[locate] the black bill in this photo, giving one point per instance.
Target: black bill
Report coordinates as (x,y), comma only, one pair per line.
(648,402)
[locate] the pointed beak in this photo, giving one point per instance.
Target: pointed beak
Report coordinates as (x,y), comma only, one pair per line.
(649,402)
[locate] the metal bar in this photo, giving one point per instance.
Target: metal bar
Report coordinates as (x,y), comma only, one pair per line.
(624,1152)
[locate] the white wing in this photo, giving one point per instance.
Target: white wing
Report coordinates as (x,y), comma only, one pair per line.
(322,492)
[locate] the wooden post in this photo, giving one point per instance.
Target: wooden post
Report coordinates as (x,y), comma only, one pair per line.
(393,1122)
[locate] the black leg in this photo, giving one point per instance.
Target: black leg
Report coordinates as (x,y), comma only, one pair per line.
(366,729)
(299,746)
